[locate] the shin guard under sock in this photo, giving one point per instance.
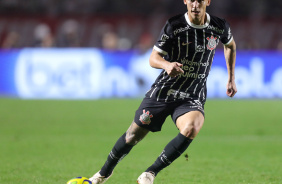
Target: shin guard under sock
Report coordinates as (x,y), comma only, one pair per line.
(119,151)
(171,152)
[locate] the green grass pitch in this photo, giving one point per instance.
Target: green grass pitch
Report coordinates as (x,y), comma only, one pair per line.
(50,142)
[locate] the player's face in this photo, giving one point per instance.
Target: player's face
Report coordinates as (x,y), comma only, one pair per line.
(197,10)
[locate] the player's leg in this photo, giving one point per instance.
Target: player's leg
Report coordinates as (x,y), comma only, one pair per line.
(124,144)
(135,134)
(189,125)
(122,147)
(150,116)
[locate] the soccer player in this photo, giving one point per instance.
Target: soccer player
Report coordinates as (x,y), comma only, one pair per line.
(185,51)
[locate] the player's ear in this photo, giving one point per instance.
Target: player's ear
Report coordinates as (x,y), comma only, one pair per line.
(208,2)
(185,2)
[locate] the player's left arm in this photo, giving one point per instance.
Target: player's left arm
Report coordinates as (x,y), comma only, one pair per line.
(230,57)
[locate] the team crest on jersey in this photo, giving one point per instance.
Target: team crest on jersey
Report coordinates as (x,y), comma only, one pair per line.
(211,43)
(145,118)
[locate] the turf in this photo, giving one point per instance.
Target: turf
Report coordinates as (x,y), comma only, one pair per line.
(50,142)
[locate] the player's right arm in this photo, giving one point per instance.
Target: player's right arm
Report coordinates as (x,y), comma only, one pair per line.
(162,48)
(173,69)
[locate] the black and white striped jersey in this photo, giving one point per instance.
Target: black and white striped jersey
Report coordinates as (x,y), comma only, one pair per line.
(193,46)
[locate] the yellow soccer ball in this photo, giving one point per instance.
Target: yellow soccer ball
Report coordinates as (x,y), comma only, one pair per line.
(79,180)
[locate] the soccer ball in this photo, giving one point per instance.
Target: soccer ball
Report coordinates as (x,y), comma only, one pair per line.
(79,180)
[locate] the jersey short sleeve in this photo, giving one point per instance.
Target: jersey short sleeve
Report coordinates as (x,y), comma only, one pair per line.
(165,39)
(227,36)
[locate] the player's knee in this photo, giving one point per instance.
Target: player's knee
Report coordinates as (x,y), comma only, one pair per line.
(191,128)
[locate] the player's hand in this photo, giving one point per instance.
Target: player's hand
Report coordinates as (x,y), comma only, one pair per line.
(174,69)
(231,88)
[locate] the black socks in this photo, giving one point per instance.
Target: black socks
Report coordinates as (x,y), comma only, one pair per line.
(119,151)
(171,152)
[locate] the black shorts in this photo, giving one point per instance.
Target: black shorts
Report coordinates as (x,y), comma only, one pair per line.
(151,114)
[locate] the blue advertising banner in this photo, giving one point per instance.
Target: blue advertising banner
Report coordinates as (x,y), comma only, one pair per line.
(35,73)
(258,75)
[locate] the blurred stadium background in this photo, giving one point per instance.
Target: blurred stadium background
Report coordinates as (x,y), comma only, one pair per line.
(132,24)
(113,40)
(60,50)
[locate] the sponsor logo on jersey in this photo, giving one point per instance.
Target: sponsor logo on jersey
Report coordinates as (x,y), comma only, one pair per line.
(178,94)
(200,48)
(193,63)
(145,118)
(216,29)
(164,37)
(193,75)
(190,67)
(229,34)
(187,43)
(175,32)
(211,43)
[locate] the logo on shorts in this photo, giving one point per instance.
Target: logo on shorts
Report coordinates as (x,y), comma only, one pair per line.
(145,118)
(212,43)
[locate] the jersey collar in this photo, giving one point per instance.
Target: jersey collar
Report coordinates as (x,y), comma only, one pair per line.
(195,25)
